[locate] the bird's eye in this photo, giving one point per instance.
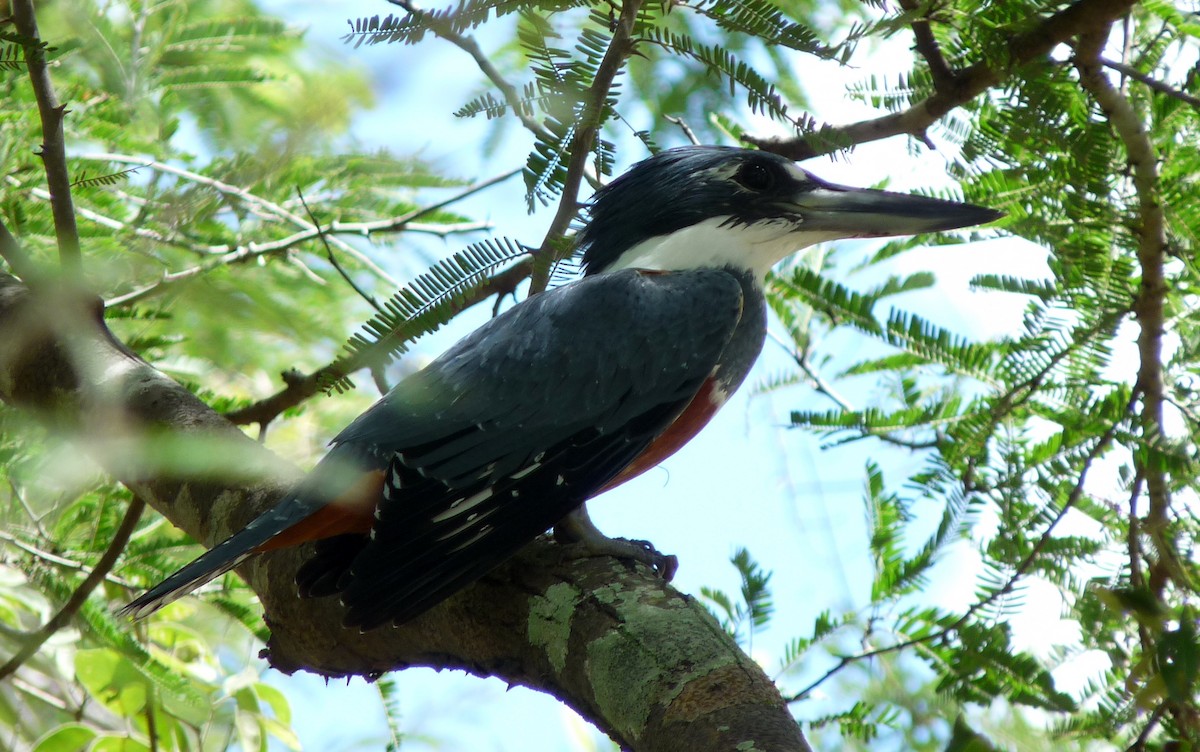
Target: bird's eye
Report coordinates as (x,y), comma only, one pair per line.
(755,176)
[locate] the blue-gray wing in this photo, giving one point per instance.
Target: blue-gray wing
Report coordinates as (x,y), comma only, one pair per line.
(521,422)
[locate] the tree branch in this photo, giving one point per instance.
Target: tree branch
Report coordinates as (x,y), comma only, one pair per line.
(585,134)
(1150,305)
(468,45)
(120,538)
(225,255)
(53,152)
(927,46)
(1151,82)
(254,202)
(1081,17)
(12,252)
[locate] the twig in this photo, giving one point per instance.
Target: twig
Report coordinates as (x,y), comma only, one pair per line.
(333,259)
(585,134)
(1080,17)
(468,45)
(58,560)
(33,517)
(300,387)
(116,224)
(1153,83)
(242,254)
(823,387)
(53,151)
(253,201)
(36,639)
(224,255)
(1139,744)
(927,46)
(683,126)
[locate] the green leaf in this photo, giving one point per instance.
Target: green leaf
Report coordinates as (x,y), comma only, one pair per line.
(118,744)
(111,678)
(69,737)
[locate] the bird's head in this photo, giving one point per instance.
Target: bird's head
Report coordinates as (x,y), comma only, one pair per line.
(714,206)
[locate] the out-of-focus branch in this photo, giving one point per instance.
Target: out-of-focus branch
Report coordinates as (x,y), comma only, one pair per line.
(53,151)
(226,255)
(120,539)
(242,254)
(1079,18)
(12,252)
(257,203)
(55,559)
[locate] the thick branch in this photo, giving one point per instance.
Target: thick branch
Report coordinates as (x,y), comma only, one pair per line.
(1082,17)
(646,664)
(1150,306)
(53,153)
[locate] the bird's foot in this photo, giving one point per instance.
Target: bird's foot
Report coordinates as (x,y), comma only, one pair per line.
(583,539)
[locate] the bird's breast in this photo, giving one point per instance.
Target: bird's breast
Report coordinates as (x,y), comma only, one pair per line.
(694,417)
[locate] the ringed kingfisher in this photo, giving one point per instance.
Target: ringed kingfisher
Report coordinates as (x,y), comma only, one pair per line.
(568,393)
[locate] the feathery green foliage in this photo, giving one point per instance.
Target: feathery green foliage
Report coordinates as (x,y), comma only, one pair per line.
(1055,457)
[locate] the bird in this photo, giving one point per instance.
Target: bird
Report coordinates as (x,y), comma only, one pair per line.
(566,394)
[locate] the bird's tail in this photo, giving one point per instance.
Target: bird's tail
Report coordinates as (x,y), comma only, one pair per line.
(338,496)
(221,558)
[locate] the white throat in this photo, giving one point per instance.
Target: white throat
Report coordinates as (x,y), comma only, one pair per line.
(755,247)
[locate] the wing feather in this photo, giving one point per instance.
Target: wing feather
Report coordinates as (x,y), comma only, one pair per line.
(522,421)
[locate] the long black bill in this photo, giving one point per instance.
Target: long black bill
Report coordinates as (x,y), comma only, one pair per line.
(867,213)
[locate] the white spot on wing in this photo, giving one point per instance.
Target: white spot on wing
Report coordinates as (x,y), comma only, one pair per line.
(522,473)
(467,526)
(471,541)
(464,505)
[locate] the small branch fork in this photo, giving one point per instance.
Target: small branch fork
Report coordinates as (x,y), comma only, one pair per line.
(468,45)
